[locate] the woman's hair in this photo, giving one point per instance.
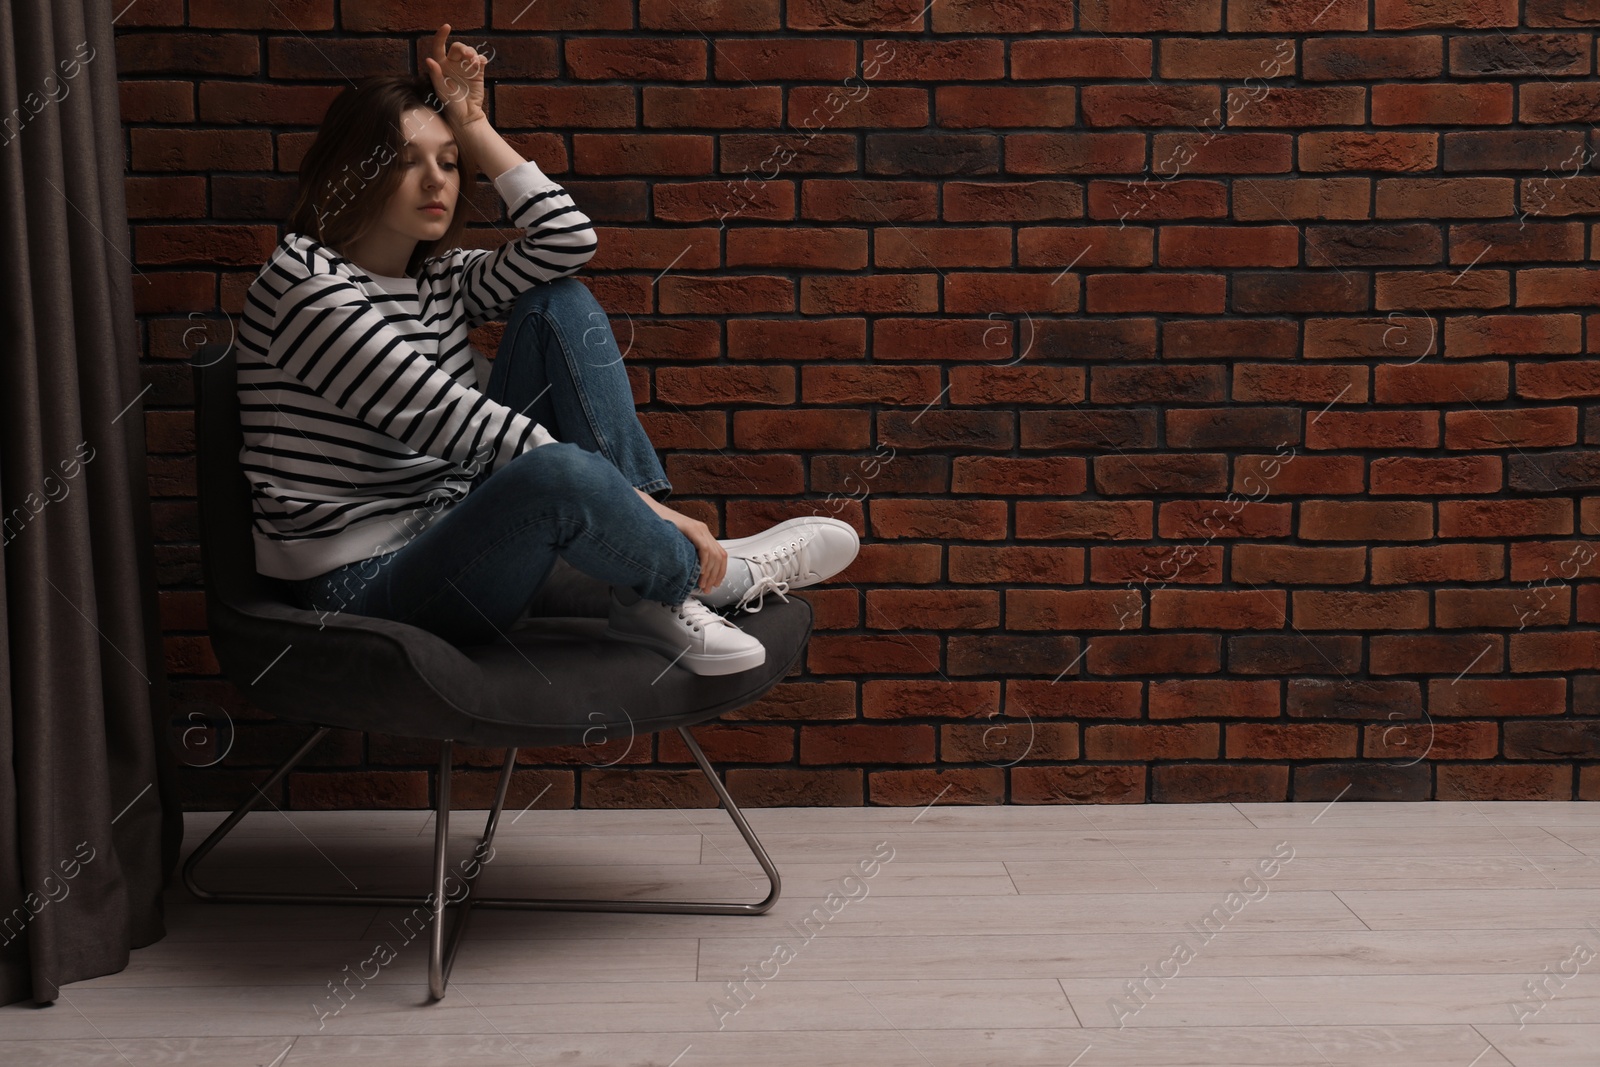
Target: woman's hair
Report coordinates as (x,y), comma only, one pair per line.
(347,176)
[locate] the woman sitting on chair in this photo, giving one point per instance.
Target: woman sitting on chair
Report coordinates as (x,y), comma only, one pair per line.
(389,480)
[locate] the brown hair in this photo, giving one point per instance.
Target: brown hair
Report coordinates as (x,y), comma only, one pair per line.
(346,178)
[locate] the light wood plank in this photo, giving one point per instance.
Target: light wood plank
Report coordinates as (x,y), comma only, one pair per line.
(776,1004)
(1168,844)
(313,964)
(1231,953)
(1221,873)
(1546,1046)
(147,1052)
(1422,1046)
(797,915)
(1577,910)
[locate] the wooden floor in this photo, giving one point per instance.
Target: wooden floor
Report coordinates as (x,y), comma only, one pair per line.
(1272,934)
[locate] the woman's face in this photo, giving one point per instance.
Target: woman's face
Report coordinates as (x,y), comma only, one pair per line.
(430,175)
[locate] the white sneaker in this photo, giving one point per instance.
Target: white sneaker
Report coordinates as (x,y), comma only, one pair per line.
(792,555)
(690,633)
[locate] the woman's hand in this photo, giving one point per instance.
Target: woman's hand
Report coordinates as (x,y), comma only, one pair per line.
(713,557)
(458,79)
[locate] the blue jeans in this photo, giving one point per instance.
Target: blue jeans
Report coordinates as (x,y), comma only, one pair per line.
(468,576)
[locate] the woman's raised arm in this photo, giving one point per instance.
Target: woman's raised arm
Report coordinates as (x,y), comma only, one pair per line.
(457,73)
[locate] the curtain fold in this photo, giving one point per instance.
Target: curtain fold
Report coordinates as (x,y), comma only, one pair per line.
(90,824)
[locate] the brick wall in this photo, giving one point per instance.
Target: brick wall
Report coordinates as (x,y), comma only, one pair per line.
(1212,381)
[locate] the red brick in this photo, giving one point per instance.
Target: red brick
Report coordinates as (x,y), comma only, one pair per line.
(1414,741)
(1219,783)
(1079,700)
(1085,246)
(1095,58)
(918,788)
(1247,740)
(1146,16)
(1220,58)
(1010,563)
(1558,287)
(725,743)
(1294,565)
(963,201)
(1208,698)
(1344,105)
(1007,742)
(1148,105)
(893,59)
(1221,153)
(1372,58)
(1335,520)
(1421,290)
(1221,609)
(1426,14)
(335,790)
(1417,564)
(980,18)
(1155,654)
(1230,246)
(1280,199)
(1513,335)
(1504,518)
(1505,242)
(1560,102)
(1425,198)
(1092,154)
(1105,784)
(1488,782)
(968,106)
(301,15)
(1356,150)
(1418,475)
(913,698)
(1188,294)
(1297,16)
(1044,476)
(1517,427)
(1561,13)
(1154,199)
(1384,782)
(1211,339)
(1175,741)
(1503,54)
(1441,105)
(778,787)
(858,743)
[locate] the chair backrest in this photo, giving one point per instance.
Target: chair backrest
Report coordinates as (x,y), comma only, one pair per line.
(227,550)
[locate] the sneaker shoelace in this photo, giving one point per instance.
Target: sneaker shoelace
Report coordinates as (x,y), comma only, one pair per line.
(772,571)
(698,615)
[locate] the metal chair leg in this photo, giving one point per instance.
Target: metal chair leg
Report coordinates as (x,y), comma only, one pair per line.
(481,855)
(442,951)
(689,907)
(441,838)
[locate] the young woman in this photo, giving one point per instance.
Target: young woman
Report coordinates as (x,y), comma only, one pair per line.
(389,480)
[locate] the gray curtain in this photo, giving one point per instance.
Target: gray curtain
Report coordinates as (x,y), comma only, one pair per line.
(90,824)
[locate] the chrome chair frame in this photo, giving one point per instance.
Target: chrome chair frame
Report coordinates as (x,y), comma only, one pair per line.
(442,951)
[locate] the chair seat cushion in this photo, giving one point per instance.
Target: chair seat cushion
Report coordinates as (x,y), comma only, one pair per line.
(558,681)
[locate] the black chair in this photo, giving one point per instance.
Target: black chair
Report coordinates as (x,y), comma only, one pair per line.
(551,681)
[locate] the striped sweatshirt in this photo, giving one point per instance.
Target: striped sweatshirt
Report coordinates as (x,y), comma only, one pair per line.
(359,395)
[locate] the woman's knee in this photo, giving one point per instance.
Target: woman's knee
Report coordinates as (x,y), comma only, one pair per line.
(559,469)
(556,297)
